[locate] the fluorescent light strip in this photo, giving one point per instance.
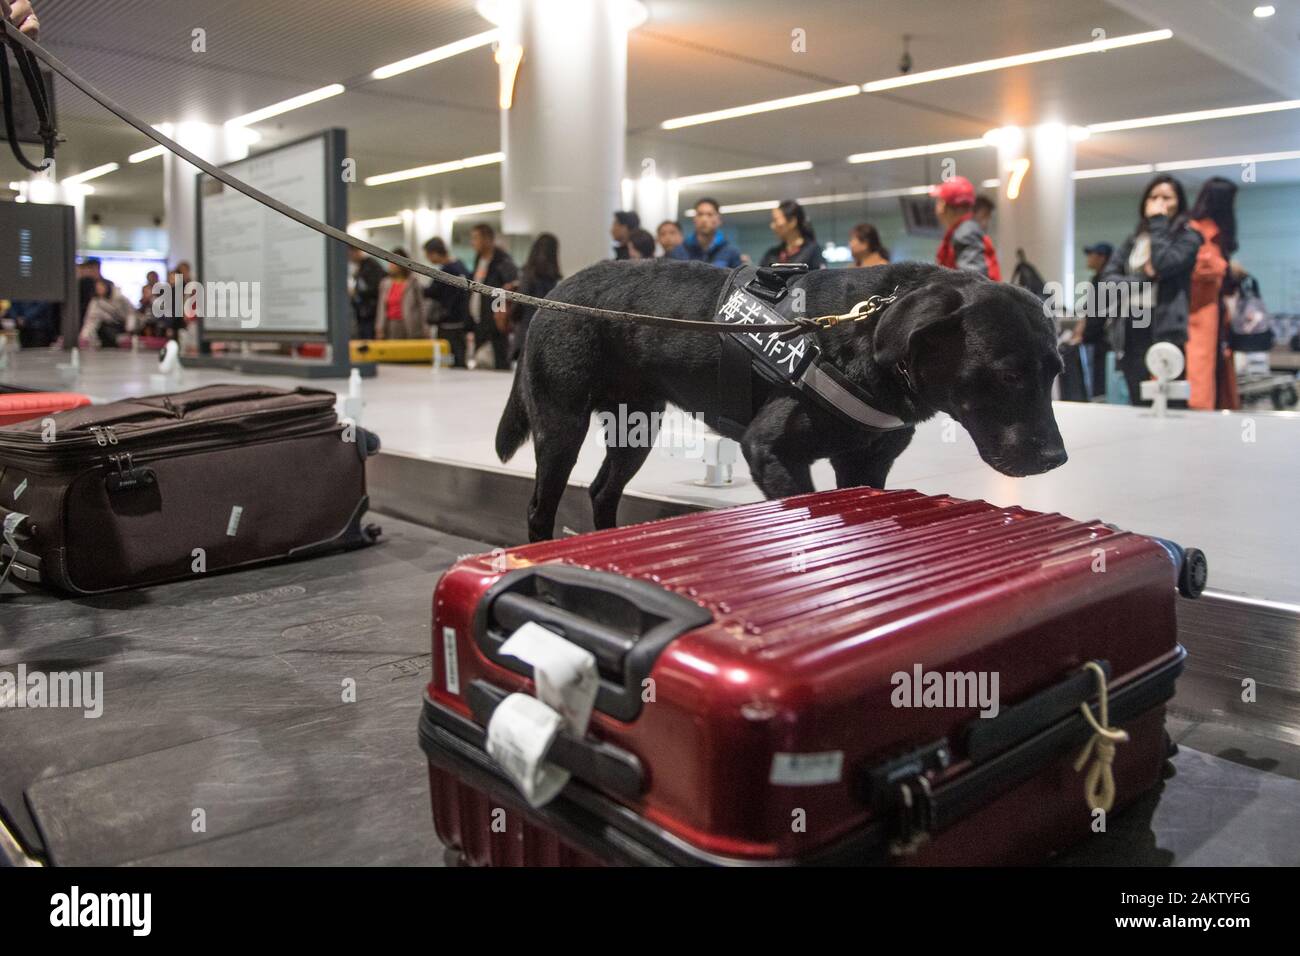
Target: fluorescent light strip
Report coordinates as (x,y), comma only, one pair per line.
(1195,116)
(435,169)
(1228,160)
(433,56)
(153,152)
(743,173)
(1020,59)
(884,154)
(1147,168)
(379,223)
(822,200)
(785,102)
(1107,171)
(480,208)
(284,106)
(95,173)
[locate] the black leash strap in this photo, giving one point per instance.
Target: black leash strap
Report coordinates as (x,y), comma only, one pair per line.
(31,72)
(31,48)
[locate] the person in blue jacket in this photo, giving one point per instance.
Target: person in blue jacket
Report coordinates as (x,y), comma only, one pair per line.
(707,243)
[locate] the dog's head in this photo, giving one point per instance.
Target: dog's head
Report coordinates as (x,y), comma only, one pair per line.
(985,353)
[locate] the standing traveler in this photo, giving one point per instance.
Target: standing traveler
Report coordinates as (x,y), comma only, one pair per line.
(798,241)
(1210,365)
(1156,262)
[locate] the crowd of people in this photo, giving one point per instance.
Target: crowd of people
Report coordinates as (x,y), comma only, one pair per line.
(1181,285)
(389,303)
(107,316)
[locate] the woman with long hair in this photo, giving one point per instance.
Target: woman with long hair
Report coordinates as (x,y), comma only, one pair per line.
(1155,264)
(540,275)
(797,240)
(1210,370)
(865,244)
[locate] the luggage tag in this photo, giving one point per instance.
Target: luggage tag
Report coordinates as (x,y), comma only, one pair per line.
(522,728)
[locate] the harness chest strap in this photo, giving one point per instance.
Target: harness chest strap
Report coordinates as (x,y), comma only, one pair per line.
(760,296)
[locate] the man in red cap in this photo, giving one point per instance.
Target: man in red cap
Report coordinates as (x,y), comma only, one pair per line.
(964,246)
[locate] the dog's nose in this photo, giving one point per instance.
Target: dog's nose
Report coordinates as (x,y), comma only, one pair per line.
(1054,457)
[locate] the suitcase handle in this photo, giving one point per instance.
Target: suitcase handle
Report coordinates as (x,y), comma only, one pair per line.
(624,622)
(985,738)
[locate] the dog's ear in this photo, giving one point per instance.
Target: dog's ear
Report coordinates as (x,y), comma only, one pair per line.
(921,310)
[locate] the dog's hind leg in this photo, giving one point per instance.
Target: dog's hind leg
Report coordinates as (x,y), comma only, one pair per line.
(625,453)
(556,445)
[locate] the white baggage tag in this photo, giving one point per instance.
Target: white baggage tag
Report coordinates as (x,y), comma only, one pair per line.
(523,728)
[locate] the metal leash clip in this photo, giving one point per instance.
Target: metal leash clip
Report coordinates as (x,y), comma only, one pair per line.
(864,309)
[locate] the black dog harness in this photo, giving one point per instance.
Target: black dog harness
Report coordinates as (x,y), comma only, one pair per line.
(790,360)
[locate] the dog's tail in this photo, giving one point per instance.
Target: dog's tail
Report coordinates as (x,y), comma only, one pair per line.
(514,427)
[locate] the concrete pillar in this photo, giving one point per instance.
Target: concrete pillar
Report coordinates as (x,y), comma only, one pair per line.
(1039,218)
(217,144)
(564,130)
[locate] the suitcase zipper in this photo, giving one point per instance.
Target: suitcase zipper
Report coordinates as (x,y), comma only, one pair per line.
(103,436)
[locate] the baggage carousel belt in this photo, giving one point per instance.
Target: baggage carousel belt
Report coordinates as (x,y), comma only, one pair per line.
(224,713)
(225,737)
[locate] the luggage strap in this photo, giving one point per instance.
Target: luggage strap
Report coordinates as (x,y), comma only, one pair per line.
(767,298)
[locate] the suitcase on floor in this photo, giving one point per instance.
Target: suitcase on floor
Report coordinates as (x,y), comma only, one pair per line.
(21,406)
(412,351)
(173,486)
(802,681)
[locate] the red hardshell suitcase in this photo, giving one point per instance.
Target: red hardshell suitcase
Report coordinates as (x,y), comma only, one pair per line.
(772,637)
(20,406)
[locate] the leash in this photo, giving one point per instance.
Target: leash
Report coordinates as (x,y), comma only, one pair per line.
(31,72)
(27,50)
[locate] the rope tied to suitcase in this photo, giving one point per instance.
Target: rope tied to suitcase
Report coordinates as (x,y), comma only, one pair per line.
(1099,784)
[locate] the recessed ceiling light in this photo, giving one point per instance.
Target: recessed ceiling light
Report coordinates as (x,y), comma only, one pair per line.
(1019,59)
(1194,116)
(433,56)
(883,154)
(435,169)
(784,103)
(95,173)
(284,106)
(153,152)
(1264,11)
(743,173)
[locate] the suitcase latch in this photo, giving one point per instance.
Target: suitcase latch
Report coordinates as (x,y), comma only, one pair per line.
(125,475)
(901,796)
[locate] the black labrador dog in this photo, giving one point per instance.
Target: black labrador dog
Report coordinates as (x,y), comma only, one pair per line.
(984,352)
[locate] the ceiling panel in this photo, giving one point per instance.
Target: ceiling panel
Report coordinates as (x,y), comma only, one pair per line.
(691,56)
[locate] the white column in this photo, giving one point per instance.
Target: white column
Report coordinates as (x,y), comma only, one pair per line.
(217,144)
(563,133)
(1040,218)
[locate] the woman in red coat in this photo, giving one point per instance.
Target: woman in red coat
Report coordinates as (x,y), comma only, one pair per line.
(1209,361)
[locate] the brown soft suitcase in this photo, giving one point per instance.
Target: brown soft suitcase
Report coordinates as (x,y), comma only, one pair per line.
(173,486)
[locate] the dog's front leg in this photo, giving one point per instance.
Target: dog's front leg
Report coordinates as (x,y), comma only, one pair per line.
(869,463)
(779,445)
